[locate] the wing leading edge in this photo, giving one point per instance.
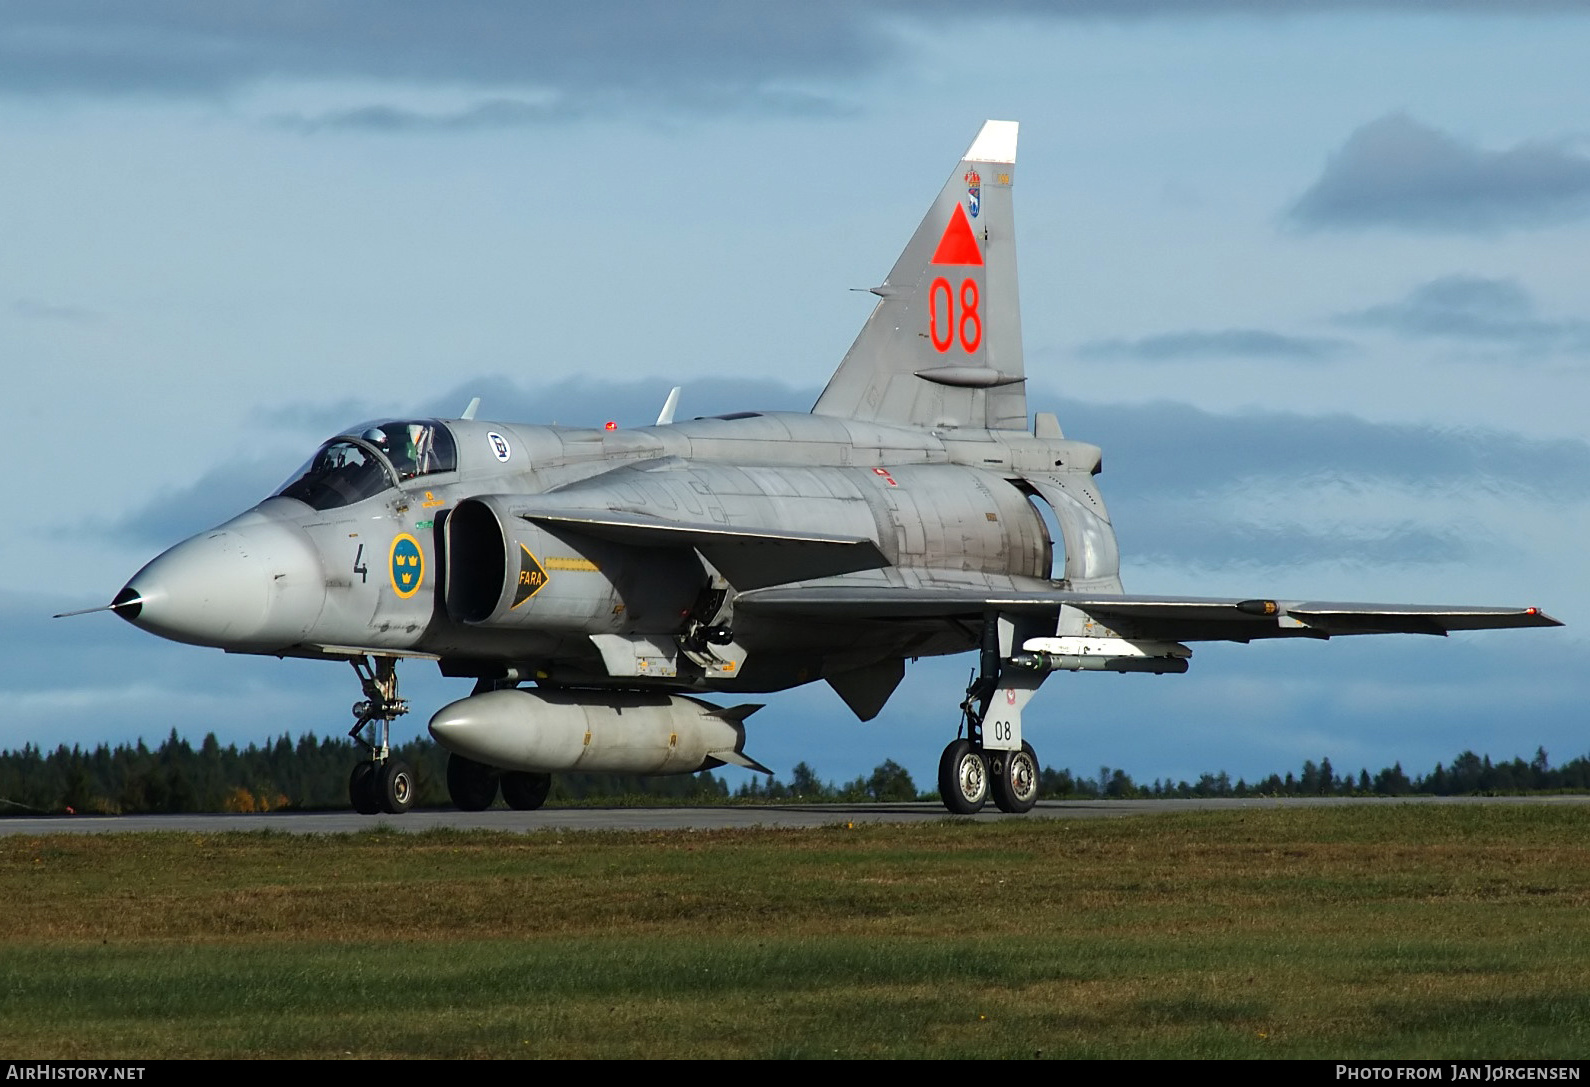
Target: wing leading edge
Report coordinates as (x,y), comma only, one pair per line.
(1175,618)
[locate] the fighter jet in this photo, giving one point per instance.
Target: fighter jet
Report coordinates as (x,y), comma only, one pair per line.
(594,584)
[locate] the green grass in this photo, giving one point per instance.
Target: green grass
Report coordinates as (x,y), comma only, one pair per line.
(1373,931)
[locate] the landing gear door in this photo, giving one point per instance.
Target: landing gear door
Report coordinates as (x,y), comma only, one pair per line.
(1002,722)
(1002,726)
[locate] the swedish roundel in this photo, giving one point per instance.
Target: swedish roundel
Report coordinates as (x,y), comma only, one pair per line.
(407,565)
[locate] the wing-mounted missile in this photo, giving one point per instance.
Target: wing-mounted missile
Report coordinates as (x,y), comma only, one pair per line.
(1074,654)
(617,732)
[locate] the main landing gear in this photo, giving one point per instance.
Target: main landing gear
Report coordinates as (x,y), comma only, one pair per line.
(473,786)
(969,776)
(380,783)
(970,773)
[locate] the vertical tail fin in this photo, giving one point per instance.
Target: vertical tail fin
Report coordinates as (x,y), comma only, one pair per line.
(943,347)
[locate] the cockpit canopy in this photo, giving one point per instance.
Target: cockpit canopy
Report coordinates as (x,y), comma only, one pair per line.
(371,458)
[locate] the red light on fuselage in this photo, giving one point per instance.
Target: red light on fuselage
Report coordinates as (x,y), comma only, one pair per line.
(611,425)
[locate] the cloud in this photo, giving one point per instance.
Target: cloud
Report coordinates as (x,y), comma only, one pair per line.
(708,54)
(1472,307)
(1205,535)
(490,114)
(499,113)
(1196,490)
(1169,449)
(1230,343)
(321,419)
(600,56)
(221,493)
(35,310)
(1397,172)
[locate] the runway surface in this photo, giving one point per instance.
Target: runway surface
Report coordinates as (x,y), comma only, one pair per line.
(700,818)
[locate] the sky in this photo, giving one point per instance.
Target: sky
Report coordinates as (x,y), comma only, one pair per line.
(1312,275)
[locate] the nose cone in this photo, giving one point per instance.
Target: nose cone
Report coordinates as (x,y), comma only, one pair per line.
(252,584)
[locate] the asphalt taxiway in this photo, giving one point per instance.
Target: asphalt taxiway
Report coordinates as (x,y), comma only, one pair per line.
(682,818)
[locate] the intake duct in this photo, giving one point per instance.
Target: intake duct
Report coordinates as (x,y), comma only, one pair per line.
(505,571)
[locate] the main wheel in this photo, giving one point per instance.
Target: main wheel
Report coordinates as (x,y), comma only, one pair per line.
(1016,789)
(963,778)
(523,791)
(471,785)
(361,789)
(396,787)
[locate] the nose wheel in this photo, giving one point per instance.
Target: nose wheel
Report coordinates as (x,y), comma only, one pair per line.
(361,789)
(381,783)
(376,787)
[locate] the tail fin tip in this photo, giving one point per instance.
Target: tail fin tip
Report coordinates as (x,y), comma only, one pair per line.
(995,142)
(943,346)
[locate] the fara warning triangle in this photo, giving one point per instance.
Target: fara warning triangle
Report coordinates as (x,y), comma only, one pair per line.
(532,577)
(959,244)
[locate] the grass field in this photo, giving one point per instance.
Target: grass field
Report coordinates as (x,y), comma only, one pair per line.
(1369,931)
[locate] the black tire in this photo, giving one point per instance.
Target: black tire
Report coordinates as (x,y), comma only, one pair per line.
(471,785)
(396,787)
(963,778)
(1015,784)
(361,789)
(523,791)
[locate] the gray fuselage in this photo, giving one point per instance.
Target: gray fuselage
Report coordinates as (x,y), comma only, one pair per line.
(496,594)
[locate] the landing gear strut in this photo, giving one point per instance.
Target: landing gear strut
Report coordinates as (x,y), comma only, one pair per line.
(381,783)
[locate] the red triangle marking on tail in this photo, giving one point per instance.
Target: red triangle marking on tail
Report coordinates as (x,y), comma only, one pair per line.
(959,244)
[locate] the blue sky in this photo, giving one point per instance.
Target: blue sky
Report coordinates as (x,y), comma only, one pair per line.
(1315,281)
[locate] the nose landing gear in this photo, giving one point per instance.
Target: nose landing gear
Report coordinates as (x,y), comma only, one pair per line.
(381,783)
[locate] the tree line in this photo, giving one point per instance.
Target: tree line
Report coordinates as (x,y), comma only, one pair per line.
(312,774)
(1469,774)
